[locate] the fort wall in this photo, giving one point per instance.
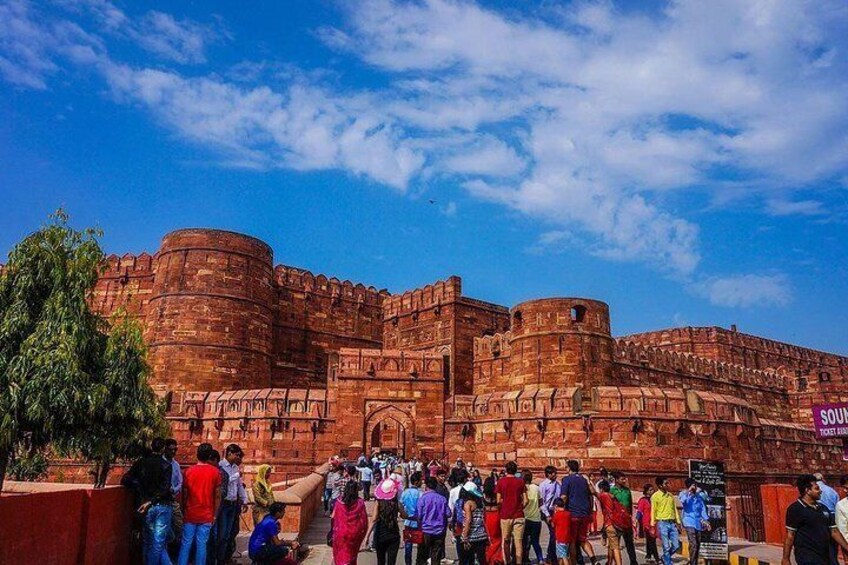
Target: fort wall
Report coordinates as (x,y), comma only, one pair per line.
(314,315)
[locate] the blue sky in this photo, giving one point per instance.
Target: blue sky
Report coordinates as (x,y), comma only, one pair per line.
(686,162)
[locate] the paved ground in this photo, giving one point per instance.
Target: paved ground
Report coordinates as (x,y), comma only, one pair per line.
(321,554)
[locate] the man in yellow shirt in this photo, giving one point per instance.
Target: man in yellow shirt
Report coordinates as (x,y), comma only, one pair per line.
(665,517)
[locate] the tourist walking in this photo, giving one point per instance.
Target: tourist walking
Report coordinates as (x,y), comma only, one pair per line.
(473,538)
(441,480)
(621,491)
(201,498)
(334,474)
(157,498)
(577,492)
(263,493)
(412,534)
(532,519)
(350,524)
(494,552)
(234,501)
(842,513)
(643,519)
(455,506)
(169,453)
(265,546)
(695,518)
(366,476)
(665,517)
(616,520)
(212,546)
(477,479)
(811,527)
(384,522)
(512,497)
(433,514)
(549,492)
(561,522)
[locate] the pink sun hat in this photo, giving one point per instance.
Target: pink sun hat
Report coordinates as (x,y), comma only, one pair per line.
(386,490)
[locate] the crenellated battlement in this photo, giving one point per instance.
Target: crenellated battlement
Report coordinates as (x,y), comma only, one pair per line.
(607,401)
(251,403)
(491,347)
(430,296)
(684,363)
(692,337)
(302,280)
(390,364)
(128,265)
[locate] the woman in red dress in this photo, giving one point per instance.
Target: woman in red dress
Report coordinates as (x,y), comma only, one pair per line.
(350,523)
(494,554)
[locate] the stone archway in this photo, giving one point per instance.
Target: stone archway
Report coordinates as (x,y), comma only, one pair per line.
(391,429)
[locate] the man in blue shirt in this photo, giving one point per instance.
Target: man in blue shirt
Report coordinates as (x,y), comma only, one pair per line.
(409,513)
(577,494)
(695,517)
(829,496)
(265,546)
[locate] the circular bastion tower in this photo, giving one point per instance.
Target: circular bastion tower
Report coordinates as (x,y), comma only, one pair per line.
(209,320)
(561,342)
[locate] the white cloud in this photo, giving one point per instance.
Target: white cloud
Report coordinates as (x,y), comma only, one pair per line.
(180,41)
(745,291)
(485,156)
(304,128)
(582,117)
(777,207)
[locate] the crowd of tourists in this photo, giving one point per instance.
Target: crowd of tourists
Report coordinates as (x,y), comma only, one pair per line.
(497,520)
(193,515)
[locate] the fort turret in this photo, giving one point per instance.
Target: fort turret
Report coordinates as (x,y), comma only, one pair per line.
(561,342)
(209,320)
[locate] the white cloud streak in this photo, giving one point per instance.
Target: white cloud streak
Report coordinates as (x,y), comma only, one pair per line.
(745,291)
(584,118)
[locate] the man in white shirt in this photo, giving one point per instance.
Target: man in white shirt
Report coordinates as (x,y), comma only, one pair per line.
(842,512)
(233,503)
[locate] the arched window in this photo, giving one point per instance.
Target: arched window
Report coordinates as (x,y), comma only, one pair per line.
(578,313)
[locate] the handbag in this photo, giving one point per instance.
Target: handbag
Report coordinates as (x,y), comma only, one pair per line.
(413,535)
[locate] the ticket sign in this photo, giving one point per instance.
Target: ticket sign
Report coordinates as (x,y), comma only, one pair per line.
(831,420)
(710,477)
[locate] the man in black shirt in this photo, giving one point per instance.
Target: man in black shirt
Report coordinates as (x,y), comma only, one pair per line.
(810,526)
(154,490)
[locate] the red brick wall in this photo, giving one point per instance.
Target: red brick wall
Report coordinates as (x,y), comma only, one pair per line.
(439,317)
(316,315)
(372,386)
(126,282)
(209,320)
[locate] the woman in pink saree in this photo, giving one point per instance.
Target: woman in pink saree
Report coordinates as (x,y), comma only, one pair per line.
(350,523)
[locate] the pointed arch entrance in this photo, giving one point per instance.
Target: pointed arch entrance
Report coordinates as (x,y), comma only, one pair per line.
(389,428)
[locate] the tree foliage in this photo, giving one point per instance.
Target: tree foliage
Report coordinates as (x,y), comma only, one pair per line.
(66,376)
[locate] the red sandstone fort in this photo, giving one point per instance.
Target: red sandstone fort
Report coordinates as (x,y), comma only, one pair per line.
(296,367)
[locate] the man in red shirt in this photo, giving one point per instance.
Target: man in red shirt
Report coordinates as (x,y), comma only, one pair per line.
(512,497)
(201,498)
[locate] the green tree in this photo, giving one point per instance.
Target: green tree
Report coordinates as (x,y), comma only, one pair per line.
(126,413)
(58,360)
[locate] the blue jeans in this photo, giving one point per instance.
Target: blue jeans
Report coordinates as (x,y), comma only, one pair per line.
(192,532)
(667,530)
(157,526)
(532,531)
(227,522)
